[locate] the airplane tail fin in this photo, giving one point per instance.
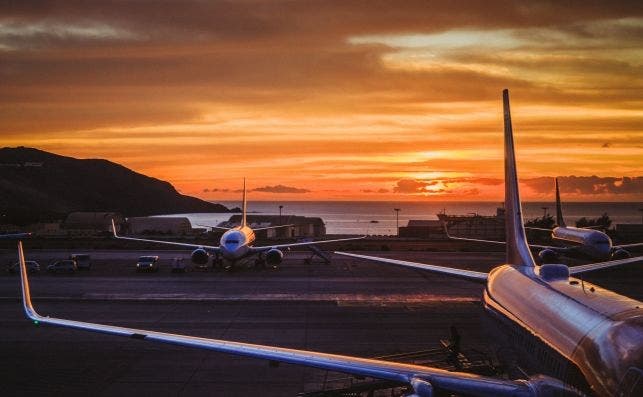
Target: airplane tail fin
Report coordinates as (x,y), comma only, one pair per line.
(244,206)
(559,209)
(517,248)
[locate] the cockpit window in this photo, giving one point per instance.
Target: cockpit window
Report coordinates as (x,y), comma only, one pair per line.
(231,241)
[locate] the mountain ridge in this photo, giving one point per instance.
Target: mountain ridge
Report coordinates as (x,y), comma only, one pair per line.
(36,185)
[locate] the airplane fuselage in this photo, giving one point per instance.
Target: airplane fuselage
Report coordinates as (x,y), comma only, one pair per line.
(235,243)
(575,331)
(594,243)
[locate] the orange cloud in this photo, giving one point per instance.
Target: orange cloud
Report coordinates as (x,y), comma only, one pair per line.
(332,97)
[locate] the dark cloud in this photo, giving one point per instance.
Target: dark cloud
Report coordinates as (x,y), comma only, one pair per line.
(381,191)
(215,190)
(105,62)
(410,186)
(280,189)
(474,180)
(587,185)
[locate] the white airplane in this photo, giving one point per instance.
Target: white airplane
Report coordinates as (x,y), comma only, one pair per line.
(237,244)
(585,243)
(582,338)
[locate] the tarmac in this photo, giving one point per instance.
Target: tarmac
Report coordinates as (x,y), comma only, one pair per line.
(348,307)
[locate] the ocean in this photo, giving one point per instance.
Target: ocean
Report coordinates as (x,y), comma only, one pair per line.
(378,218)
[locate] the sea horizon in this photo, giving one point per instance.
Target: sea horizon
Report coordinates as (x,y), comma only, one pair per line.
(379,217)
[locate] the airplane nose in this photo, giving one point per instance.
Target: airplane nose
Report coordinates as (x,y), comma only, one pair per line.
(231,251)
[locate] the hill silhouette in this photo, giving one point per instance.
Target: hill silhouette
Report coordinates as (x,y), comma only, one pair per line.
(36,185)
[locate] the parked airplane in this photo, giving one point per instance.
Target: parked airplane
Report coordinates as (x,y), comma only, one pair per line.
(586,242)
(236,244)
(588,339)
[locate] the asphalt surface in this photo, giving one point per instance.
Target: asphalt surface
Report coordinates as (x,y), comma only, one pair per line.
(348,307)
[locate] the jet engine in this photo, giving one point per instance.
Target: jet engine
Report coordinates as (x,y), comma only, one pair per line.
(620,254)
(200,256)
(274,257)
(547,256)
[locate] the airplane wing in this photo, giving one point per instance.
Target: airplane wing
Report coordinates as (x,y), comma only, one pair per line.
(449,271)
(303,244)
(14,236)
(602,265)
(626,246)
(175,243)
(272,227)
(424,380)
(216,227)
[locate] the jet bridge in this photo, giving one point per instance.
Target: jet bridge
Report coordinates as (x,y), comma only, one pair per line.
(317,253)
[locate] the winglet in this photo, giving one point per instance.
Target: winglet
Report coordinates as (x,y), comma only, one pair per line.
(245,206)
(559,209)
(446,230)
(114,229)
(26,294)
(517,248)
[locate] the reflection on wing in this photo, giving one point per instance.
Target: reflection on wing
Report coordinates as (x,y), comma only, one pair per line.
(314,242)
(186,245)
(602,265)
(422,379)
(466,274)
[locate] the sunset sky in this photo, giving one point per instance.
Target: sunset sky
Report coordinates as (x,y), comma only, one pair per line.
(333,100)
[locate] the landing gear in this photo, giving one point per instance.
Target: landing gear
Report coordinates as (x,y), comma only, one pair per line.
(217,262)
(260,263)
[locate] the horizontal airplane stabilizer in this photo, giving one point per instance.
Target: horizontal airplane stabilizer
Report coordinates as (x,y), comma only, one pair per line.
(625,246)
(448,271)
(215,227)
(477,240)
(271,227)
(602,265)
(144,240)
(422,379)
(304,244)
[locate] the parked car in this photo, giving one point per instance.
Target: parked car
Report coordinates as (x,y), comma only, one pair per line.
(83,261)
(178,265)
(32,267)
(64,266)
(147,263)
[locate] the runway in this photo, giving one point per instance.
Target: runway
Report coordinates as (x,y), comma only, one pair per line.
(348,307)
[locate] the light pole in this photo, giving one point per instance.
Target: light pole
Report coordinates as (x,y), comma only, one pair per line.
(544,211)
(397,220)
(280,208)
